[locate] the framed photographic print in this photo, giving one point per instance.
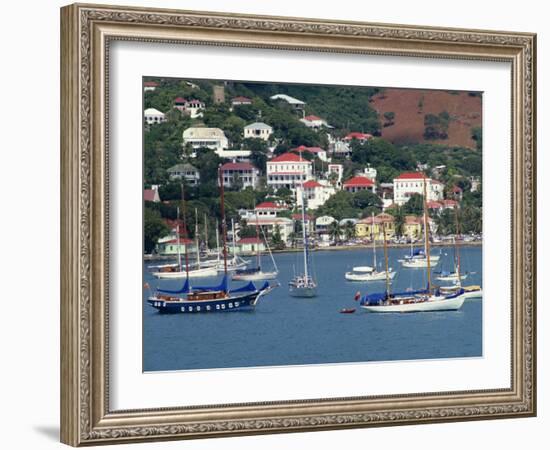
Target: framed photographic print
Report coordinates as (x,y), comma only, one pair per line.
(278,224)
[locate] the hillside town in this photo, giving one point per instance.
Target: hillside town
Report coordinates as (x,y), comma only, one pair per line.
(275,151)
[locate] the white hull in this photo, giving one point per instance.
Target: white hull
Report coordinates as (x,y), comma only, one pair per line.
(303,291)
(437,304)
(197,273)
(373,276)
(420,263)
(472,295)
(452,277)
(256,276)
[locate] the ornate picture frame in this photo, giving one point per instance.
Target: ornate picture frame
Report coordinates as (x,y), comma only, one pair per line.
(86,34)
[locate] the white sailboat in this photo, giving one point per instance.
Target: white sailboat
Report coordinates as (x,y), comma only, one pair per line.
(368,273)
(419,301)
(303,285)
(257,273)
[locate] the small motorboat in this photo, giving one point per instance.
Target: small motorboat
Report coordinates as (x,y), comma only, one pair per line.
(347,310)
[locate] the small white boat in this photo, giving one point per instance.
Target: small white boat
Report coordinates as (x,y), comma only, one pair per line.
(420,263)
(204,272)
(360,274)
(450,276)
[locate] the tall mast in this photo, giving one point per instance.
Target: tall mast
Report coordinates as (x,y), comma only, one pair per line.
(224,225)
(178,238)
(185,231)
(304,235)
(258,241)
(386,260)
(457,251)
(427,233)
(206,233)
(197,241)
(373,241)
(218,240)
(233,246)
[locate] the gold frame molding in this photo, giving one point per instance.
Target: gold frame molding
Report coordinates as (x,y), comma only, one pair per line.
(86,31)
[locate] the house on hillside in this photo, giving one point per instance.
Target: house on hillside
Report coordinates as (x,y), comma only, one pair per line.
(361,137)
(151,195)
(409,183)
(315,193)
(192,108)
(335,174)
(243,173)
(258,130)
(317,151)
(288,170)
(240,100)
(153,116)
(150,86)
(234,155)
(294,102)
(186,172)
(360,183)
(314,122)
(199,137)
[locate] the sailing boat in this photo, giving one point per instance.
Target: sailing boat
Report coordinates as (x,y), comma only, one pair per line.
(219,298)
(417,301)
(256,273)
(368,273)
(176,272)
(303,285)
(455,276)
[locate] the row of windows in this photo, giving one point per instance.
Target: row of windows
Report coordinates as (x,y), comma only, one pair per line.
(280,167)
(297,177)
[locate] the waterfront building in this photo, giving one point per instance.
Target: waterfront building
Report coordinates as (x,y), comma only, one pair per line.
(316,194)
(314,122)
(409,183)
(199,137)
(242,173)
(288,170)
(258,130)
(186,172)
(193,108)
(250,245)
(153,116)
(370,227)
(412,227)
(322,225)
(360,183)
(294,102)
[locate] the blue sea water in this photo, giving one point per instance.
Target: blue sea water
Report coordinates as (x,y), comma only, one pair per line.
(285,330)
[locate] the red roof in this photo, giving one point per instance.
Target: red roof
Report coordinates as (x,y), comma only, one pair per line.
(311,118)
(457,189)
(182,241)
(450,203)
(359,182)
(303,148)
(289,157)
(298,216)
(150,84)
(269,205)
(358,135)
(411,176)
(238,166)
(180,101)
(434,205)
(149,195)
(241,99)
(249,240)
(311,184)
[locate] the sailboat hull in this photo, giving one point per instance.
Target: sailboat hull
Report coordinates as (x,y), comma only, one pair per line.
(302,291)
(437,304)
(237,303)
(255,276)
(373,276)
(196,273)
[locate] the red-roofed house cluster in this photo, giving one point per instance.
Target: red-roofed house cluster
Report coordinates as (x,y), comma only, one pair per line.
(409,183)
(192,108)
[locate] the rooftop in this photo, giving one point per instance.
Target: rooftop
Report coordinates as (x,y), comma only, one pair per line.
(311,184)
(185,167)
(203,133)
(288,99)
(411,176)
(289,157)
(238,166)
(357,135)
(250,240)
(269,205)
(359,181)
(153,112)
(241,99)
(258,126)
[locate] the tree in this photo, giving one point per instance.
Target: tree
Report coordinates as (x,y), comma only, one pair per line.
(477,136)
(153,229)
(366,199)
(389,116)
(349,230)
(276,240)
(415,205)
(335,231)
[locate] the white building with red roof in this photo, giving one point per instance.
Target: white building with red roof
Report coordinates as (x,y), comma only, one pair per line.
(243,173)
(192,108)
(317,151)
(361,137)
(315,122)
(151,195)
(315,193)
(360,183)
(335,174)
(240,100)
(288,170)
(150,86)
(409,183)
(250,245)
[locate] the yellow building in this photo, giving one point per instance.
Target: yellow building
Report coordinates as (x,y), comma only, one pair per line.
(373,227)
(412,228)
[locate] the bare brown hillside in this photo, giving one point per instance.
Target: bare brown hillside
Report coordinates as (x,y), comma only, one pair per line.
(411,105)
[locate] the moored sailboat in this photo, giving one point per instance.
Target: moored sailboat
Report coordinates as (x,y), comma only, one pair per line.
(220,298)
(303,285)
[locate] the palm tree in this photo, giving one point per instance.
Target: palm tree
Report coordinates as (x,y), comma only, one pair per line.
(399,217)
(335,231)
(349,230)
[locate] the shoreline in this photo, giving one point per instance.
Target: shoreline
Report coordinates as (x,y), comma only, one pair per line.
(333,248)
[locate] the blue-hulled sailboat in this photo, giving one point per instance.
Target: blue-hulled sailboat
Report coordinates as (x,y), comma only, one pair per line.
(201,299)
